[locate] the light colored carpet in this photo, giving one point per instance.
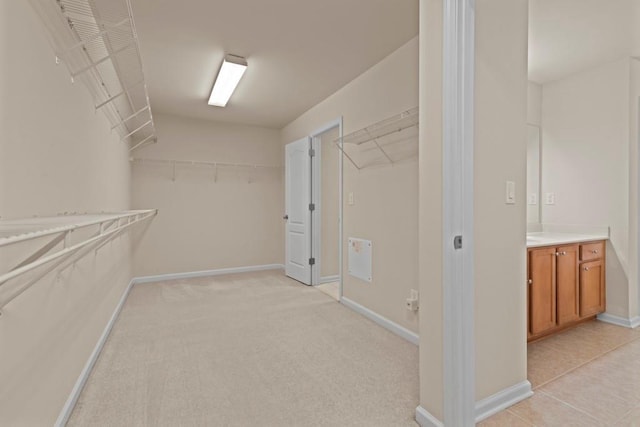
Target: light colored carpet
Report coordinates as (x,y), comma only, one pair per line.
(255,349)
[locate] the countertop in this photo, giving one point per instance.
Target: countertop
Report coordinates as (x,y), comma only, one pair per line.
(545,238)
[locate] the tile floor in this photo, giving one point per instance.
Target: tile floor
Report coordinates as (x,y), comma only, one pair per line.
(586,376)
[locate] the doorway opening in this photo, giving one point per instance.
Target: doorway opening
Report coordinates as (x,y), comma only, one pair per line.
(313,209)
(326,194)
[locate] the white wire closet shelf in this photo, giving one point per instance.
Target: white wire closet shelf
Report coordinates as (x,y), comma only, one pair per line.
(33,247)
(386,142)
(97,41)
(215,167)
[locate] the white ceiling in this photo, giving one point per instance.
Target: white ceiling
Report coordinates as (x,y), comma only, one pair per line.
(299,51)
(567,36)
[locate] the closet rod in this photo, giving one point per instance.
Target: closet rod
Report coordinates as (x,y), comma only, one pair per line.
(105,235)
(75,222)
(202,163)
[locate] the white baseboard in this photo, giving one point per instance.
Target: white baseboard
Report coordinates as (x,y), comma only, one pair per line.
(425,419)
(328,279)
(67,409)
(401,331)
(485,407)
(207,273)
(502,400)
(620,321)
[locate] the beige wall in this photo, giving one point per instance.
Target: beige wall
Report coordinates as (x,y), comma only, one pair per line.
(57,156)
(202,223)
(534,103)
(500,229)
(534,120)
(585,162)
(430,215)
(386,202)
(330,205)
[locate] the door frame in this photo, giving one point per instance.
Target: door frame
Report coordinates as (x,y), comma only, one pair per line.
(316,191)
(458,214)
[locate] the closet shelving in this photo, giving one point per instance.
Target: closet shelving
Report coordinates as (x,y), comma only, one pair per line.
(386,142)
(43,244)
(215,167)
(98,43)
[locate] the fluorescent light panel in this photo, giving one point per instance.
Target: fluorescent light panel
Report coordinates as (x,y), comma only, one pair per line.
(233,67)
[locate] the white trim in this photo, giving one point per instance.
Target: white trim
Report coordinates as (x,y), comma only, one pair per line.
(401,331)
(425,419)
(316,214)
(502,400)
(316,190)
(341,211)
(206,273)
(67,409)
(328,279)
(458,215)
(620,321)
(485,407)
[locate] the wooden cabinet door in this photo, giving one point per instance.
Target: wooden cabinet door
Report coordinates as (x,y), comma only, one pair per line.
(542,290)
(567,284)
(592,295)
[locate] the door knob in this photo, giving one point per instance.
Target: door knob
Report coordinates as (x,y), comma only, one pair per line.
(285,217)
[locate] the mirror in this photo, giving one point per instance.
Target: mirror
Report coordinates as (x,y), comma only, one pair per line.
(533,174)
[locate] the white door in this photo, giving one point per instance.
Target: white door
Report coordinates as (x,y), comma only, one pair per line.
(297,214)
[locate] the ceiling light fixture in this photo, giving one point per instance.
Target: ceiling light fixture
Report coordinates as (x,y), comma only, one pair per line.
(233,67)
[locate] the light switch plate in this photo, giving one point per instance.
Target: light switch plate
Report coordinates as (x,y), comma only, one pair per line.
(510,198)
(533,199)
(350,199)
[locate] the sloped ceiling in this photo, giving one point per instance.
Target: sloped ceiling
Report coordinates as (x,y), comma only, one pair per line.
(298,51)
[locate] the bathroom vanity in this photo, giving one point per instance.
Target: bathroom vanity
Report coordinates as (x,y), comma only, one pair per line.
(565,280)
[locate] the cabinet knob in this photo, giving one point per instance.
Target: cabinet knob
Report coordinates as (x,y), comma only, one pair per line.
(561,253)
(529,281)
(586,269)
(595,251)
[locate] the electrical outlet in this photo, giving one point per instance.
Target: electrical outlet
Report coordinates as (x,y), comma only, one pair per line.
(412,304)
(412,301)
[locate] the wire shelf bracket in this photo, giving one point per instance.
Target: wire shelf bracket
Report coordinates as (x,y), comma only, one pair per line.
(98,42)
(386,142)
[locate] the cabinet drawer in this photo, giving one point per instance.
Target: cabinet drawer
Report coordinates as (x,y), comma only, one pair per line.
(590,251)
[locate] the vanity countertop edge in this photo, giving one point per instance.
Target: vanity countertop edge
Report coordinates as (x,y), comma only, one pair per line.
(545,238)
